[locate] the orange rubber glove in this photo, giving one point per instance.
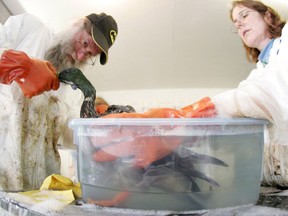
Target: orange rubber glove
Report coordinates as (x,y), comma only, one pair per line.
(100,109)
(201,109)
(34,76)
(144,149)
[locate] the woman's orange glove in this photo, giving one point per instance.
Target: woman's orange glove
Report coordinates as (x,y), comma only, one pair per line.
(34,76)
(201,109)
(126,142)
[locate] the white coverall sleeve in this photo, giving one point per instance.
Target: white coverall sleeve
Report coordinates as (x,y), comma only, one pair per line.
(10,30)
(26,33)
(261,97)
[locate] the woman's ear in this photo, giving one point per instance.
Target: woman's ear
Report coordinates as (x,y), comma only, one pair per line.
(267,17)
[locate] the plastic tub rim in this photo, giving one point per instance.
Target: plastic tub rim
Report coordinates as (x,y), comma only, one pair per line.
(74,123)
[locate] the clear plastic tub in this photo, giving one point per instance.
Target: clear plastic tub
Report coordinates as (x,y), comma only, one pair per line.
(207,163)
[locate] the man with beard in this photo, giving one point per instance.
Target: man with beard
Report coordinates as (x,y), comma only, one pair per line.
(33,118)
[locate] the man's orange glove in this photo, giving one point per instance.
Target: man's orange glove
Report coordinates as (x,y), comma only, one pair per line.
(34,76)
(126,142)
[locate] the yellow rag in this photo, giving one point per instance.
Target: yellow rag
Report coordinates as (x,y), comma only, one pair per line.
(59,182)
(54,187)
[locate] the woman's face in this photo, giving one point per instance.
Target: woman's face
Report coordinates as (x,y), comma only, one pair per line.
(84,46)
(252,27)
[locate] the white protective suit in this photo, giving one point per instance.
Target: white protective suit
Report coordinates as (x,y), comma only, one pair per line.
(30,128)
(264,94)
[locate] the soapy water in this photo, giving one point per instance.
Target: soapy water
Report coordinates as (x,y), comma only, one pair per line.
(239,183)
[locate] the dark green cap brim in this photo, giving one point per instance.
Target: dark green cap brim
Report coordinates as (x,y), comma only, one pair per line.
(101,42)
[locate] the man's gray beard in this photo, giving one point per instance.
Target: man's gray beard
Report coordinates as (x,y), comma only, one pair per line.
(60,57)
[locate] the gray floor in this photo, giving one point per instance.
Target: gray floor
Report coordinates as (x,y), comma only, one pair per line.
(271,201)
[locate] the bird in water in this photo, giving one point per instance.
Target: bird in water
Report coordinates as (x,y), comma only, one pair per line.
(175,172)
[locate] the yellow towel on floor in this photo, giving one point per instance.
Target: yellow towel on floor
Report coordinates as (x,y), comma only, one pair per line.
(58,182)
(55,187)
